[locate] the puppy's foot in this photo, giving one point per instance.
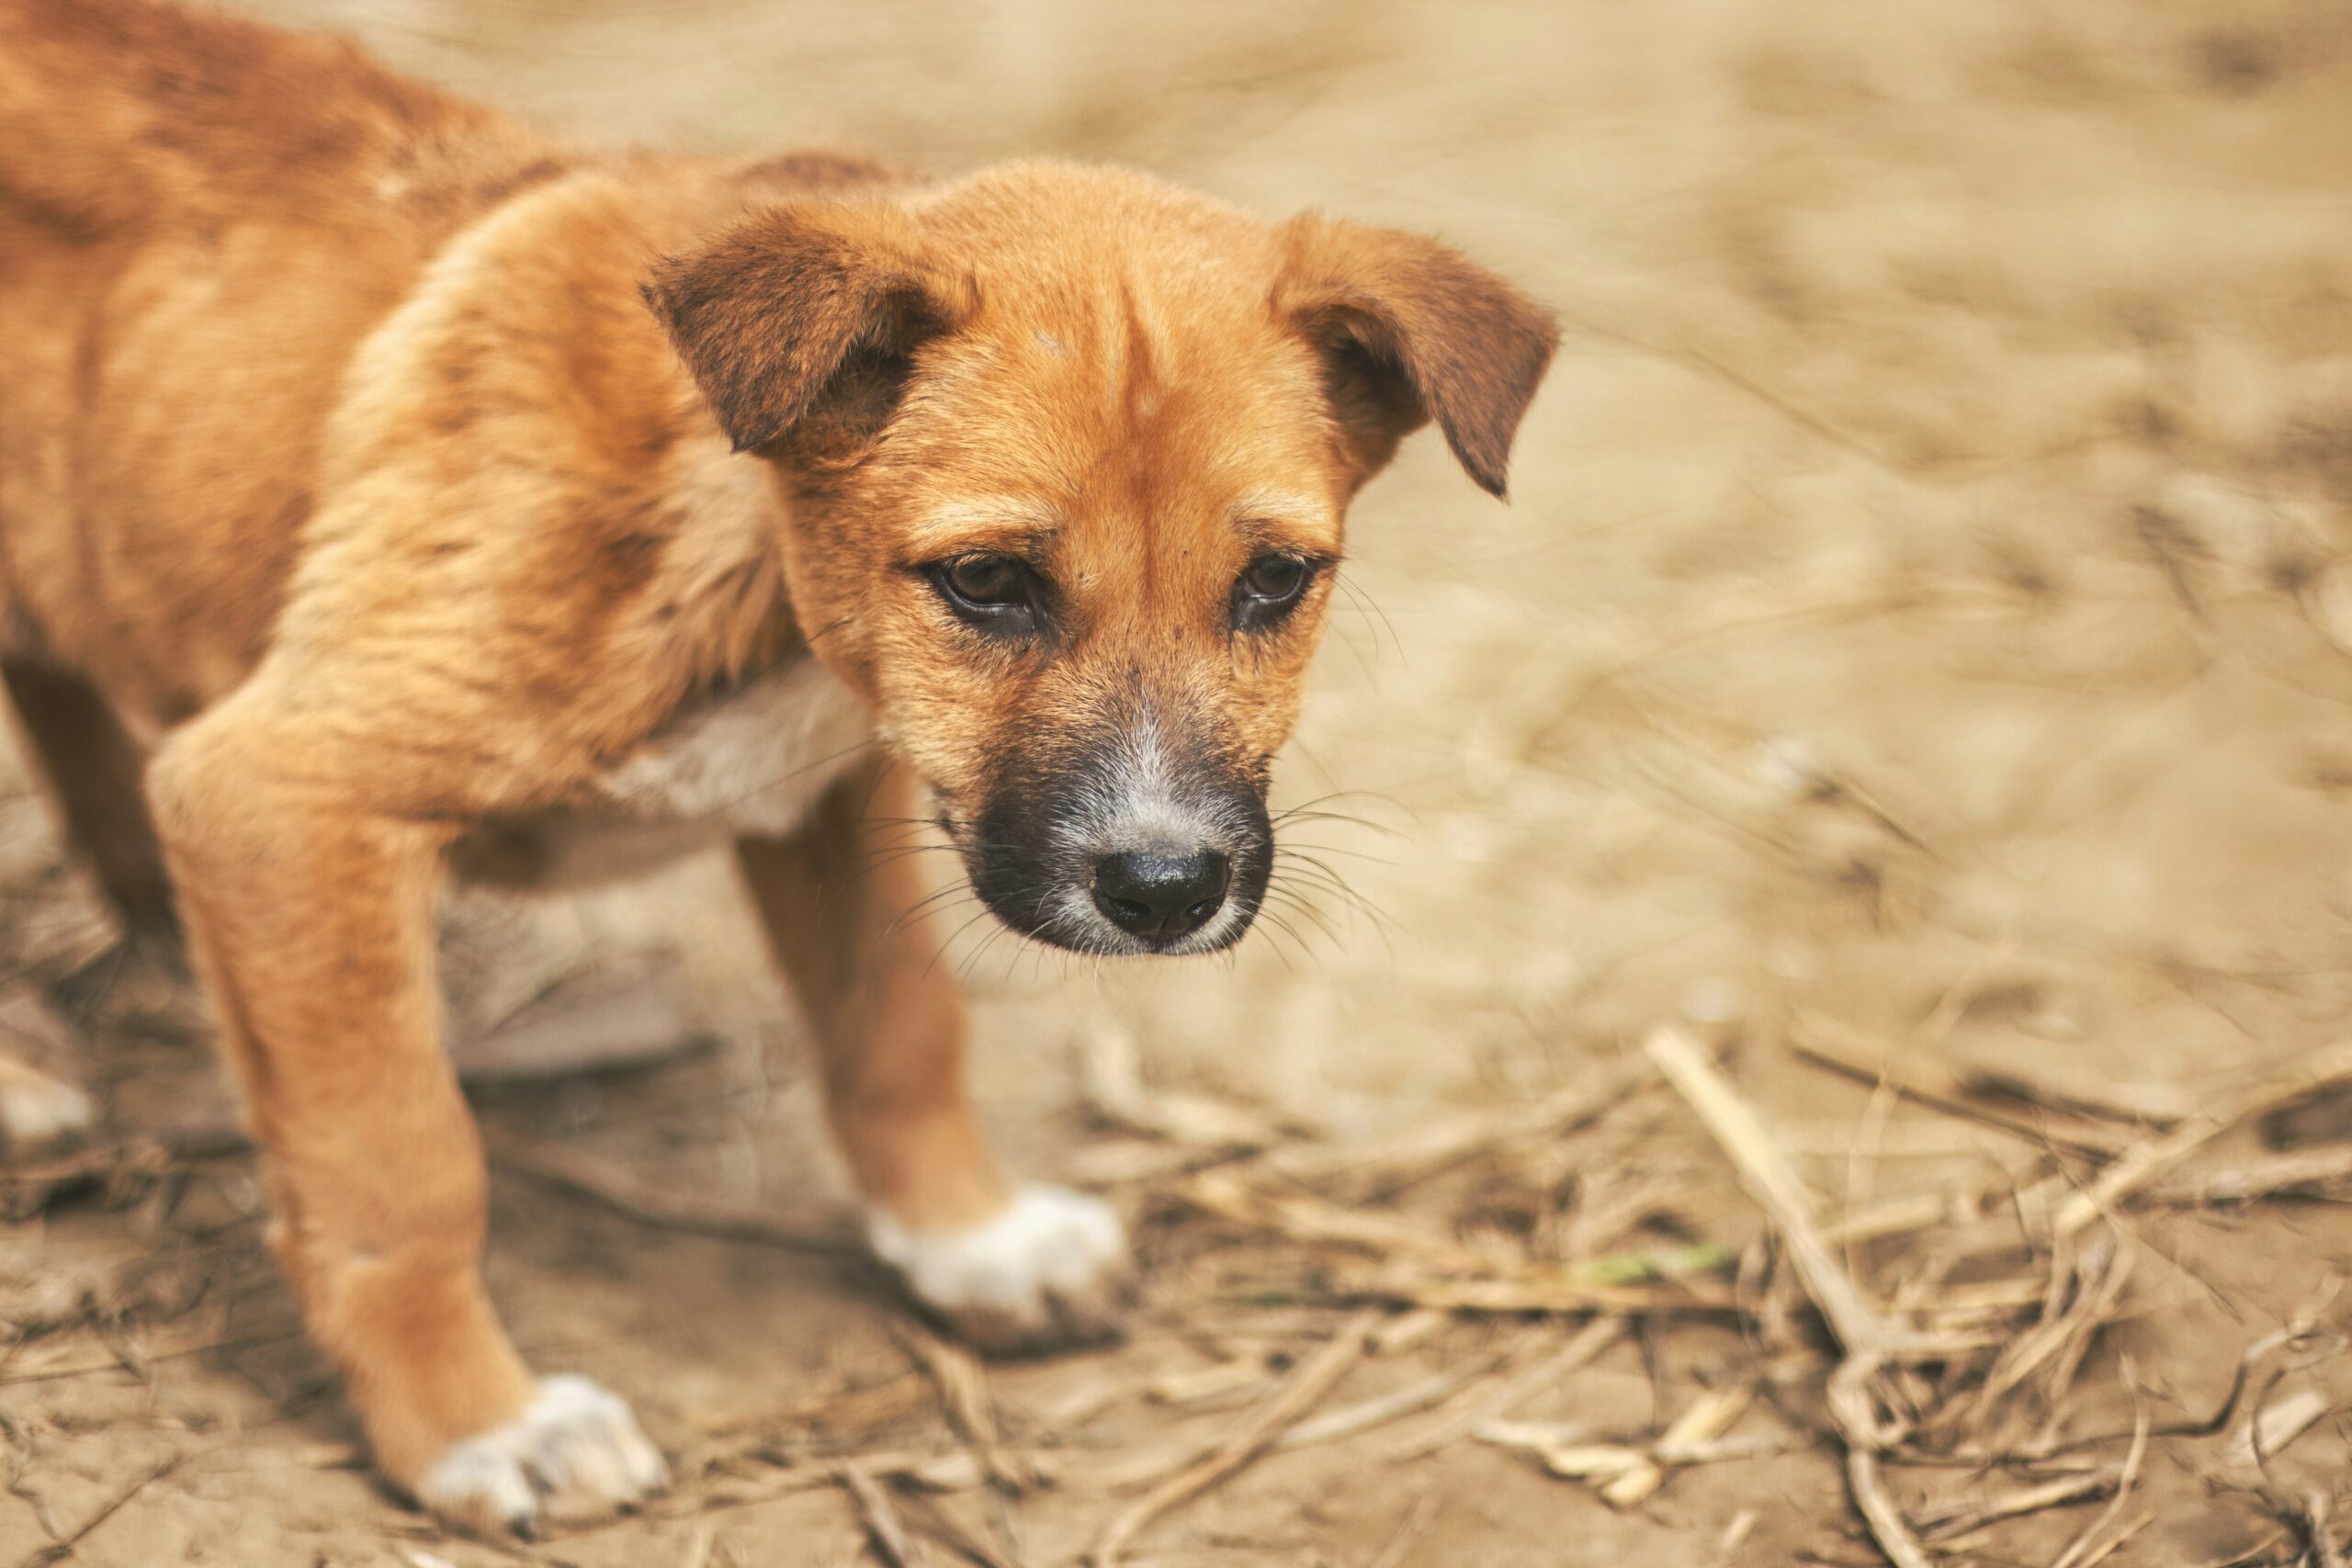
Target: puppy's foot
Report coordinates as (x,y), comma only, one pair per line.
(575,1454)
(1052,1268)
(38,1111)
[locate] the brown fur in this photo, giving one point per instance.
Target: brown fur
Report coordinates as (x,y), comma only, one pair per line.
(344,465)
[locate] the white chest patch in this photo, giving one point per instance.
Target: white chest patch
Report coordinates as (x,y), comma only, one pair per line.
(752,762)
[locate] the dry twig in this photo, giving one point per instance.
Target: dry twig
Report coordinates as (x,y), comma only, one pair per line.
(1625,1474)
(2265,1176)
(1949,1525)
(1552,1291)
(1409,1530)
(937,1520)
(2079,1551)
(2146,1160)
(1922,1077)
(2269,1429)
(1335,1424)
(1869,1342)
(1315,1377)
(58,1550)
(962,1387)
(1580,1349)
(880,1518)
(1356,1172)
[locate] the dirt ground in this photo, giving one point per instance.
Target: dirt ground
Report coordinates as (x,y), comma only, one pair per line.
(1925,606)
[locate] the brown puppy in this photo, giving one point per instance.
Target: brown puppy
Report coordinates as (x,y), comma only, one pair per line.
(391,489)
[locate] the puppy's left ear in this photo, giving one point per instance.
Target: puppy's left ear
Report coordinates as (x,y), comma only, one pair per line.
(1408,331)
(801,324)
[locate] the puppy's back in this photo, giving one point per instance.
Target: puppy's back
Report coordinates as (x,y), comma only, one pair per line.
(127,114)
(200,218)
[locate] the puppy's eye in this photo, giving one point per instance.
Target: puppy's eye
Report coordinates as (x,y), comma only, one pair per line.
(986,582)
(992,594)
(1268,589)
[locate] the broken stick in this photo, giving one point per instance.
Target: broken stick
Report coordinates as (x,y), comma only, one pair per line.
(1316,1377)
(1869,1340)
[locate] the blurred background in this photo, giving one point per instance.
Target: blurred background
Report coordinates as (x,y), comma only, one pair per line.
(1925,601)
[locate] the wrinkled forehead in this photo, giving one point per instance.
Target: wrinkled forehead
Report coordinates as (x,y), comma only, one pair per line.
(1134,396)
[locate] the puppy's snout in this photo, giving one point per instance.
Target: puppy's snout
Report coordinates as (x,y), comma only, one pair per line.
(1161,897)
(1140,839)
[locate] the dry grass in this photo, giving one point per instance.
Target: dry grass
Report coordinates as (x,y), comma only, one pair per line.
(1977,1378)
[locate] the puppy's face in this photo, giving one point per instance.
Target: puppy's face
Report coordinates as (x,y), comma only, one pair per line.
(1070,453)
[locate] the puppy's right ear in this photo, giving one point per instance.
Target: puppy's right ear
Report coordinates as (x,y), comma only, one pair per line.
(802,322)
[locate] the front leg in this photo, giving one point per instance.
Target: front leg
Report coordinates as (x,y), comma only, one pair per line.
(1009,1267)
(310,918)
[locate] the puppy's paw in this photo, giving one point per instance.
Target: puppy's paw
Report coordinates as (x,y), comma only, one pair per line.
(1052,1268)
(575,1454)
(38,1111)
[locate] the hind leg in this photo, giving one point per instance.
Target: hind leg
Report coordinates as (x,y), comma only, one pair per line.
(40,1105)
(92,768)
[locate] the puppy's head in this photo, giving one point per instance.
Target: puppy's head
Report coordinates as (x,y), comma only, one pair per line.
(1068,452)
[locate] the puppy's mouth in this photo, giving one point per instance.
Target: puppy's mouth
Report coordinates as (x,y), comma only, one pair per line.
(1115,859)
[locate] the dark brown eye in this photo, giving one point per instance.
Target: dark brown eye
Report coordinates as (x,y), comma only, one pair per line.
(999,596)
(985,581)
(1268,589)
(1275,577)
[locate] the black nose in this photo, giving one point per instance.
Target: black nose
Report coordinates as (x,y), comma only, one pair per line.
(1160,898)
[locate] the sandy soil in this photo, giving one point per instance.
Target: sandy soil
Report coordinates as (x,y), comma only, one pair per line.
(1927,602)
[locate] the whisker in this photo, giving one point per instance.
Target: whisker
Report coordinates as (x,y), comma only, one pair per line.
(794,772)
(1306,910)
(905,852)
(1299,859)
(1308,870)
(949,897)
(1372,611)
(963,971)
(952,937)
(1320,809)
(1274,923)
(833,625)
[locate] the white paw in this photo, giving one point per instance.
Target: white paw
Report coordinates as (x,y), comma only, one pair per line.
(37,1110)
(1051,1269)
(574,1454)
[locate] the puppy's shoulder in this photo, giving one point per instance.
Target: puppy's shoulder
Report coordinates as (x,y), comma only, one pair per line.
(521,481)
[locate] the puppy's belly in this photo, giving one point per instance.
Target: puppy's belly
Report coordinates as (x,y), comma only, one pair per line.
(751,763)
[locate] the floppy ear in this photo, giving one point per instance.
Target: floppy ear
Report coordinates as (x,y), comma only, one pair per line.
(801,322)
(1409,331)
